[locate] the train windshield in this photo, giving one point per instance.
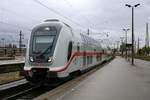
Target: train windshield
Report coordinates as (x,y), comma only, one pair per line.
(43,44)
(43,40)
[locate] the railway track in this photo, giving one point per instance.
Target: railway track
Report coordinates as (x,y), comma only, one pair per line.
(11,90)
(12,84)
(28,92)
(23,92)
(20,94)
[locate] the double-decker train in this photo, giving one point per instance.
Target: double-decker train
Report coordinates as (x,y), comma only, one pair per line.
(56,51)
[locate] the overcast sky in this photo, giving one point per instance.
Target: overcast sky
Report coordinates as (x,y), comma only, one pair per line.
(98,15)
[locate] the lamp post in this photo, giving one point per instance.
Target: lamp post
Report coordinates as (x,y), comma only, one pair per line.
(121,38)
(134,6)
(126,30)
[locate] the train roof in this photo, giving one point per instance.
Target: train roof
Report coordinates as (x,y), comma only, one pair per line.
(56,21)
(77,32)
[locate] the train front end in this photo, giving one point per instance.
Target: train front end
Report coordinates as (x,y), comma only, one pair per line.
(40,52)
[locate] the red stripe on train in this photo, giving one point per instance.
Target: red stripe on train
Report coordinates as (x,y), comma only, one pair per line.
(73,56)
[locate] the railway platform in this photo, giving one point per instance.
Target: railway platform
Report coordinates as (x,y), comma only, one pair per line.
(9,62)
(118,80)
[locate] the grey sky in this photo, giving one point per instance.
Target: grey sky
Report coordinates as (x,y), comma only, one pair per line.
(98,15)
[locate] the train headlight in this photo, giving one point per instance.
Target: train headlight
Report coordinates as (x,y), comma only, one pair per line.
(31,59)
(50,59)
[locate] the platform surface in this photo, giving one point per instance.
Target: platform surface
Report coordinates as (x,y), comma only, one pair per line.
(118,80)
(12,84)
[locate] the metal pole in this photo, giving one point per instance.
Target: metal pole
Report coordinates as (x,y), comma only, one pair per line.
(138,46)
(126,30)
(132,29)
(20,41)
(126,44)
(133,35)
(121,46)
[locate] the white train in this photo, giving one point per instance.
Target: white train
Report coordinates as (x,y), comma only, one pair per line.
(55,51)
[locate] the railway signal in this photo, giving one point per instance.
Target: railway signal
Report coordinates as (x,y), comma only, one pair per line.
(20,41)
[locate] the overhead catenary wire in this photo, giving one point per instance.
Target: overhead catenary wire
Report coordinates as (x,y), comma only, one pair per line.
(15,26)
(39,2)
(56,12)
(17,14)
(84,17)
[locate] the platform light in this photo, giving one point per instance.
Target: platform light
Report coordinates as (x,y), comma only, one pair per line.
(126,30)
(134,6)
(128,5)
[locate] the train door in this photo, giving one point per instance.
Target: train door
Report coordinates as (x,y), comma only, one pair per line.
(69,51)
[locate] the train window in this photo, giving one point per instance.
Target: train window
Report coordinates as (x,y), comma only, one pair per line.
(46,31)
(43,38)
(42,43)
(78,48)
(69,50)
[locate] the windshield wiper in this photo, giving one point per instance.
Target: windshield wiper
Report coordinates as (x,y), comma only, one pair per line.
(45,51)
(36,52)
